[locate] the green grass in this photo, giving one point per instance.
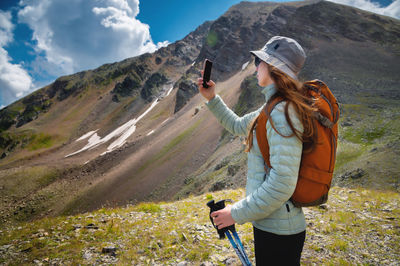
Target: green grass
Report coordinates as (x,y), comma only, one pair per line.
(365,134)
(149,207)
(41,141)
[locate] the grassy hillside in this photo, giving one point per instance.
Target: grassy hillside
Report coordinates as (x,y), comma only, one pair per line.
(357,226)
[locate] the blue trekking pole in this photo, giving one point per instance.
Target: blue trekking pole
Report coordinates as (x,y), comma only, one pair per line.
(235,242)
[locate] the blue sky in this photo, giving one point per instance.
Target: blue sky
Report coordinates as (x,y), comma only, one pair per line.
(41,40)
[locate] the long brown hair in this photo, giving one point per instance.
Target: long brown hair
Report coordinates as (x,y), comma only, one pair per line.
(295,93)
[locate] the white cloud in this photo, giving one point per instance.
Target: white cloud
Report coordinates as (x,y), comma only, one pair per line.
(76,35)
(14,80)
(6,28)
(392,10)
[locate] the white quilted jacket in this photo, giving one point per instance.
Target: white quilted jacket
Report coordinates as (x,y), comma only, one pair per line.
(267,203)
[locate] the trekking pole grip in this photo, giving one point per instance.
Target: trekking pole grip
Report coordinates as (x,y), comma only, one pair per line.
(215,206)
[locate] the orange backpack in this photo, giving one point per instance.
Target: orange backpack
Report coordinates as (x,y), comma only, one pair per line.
(316,167)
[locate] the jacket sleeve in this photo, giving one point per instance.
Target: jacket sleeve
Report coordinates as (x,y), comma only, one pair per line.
(279,185)
(228,119)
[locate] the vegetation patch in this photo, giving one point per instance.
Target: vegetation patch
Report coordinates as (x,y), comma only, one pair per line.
(41,141)
(365,134)
(25,180)
(149,207)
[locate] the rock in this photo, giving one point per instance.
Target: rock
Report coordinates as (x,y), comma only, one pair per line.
(374,150)
(115,98)
(355,174)
(197,239)
(183,263)
(230,261)
(158,60)
(153,86)
(130,84)
(223,163)
(186,90)
(26,250)
(232,169)
(109,250)
(184,237)
(323,207)
(346,124)
(91,226)
(37,262)
(5,247)
(219,185)
(140,251)
(173,233)
(77,226)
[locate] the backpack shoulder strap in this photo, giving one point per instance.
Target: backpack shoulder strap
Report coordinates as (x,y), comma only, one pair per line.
(261,131)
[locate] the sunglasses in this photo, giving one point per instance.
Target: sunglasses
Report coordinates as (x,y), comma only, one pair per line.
(257,61)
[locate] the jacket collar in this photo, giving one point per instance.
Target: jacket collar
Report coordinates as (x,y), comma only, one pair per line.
(268,91)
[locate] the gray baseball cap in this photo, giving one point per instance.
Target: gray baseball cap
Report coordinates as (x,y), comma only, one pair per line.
(283,53)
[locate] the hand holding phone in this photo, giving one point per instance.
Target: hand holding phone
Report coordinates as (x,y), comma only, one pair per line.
(207,90)
(207,72)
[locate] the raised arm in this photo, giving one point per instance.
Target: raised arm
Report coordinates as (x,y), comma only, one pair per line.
(228,119)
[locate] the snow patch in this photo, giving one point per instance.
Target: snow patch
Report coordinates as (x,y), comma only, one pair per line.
(245,65)
(151,132)
(87,135)
(169,91)
(123,133)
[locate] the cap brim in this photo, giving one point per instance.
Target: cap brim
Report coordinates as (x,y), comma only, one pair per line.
(270,59)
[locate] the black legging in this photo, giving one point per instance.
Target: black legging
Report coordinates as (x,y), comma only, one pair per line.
(272,249)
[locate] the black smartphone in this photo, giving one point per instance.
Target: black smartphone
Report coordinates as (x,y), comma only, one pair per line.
(207,72)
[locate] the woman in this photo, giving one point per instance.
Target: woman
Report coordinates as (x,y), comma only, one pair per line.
(279,226)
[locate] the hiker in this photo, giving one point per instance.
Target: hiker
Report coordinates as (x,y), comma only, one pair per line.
(279,226)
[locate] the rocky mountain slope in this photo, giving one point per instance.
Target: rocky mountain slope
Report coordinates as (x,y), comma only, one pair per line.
(137,130)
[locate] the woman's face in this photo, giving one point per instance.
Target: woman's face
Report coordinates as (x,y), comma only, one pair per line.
(263,76)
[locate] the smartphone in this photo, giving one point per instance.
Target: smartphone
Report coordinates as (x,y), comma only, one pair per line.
(207,72)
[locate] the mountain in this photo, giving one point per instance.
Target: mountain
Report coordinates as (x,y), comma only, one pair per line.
(138,130)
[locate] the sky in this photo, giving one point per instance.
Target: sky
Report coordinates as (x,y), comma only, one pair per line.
(41,40)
